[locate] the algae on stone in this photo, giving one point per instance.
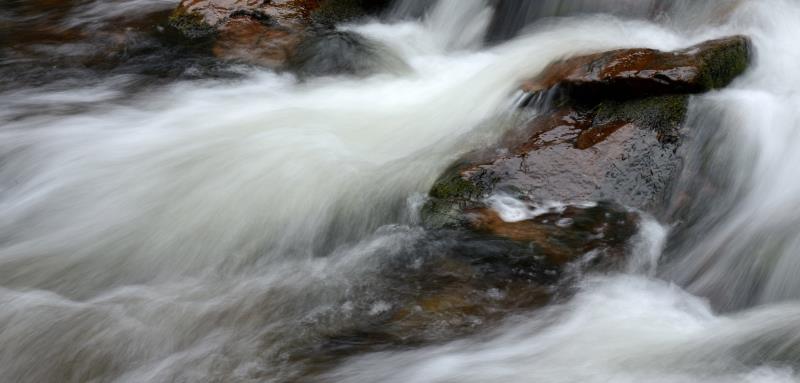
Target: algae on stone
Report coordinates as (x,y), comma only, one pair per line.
(724,63)
(191,25)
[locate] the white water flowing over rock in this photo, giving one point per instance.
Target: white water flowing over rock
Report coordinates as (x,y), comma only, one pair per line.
(619,328)
(186,233)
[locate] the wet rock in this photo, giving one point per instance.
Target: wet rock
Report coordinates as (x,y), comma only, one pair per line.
(564,235)
(252,31)
(621,151)
(251,41)
(608,132)
(453,283)
(634,73)
(270,32)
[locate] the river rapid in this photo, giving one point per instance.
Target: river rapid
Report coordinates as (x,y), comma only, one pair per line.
(217,226)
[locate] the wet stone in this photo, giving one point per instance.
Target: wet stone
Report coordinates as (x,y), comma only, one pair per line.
(454,283)
(608,130)
(634,73)
(278,34)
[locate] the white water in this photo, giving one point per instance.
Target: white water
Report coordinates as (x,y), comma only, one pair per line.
(619,329)
(179,236)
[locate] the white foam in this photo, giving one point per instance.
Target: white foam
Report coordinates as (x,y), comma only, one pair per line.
(513,209)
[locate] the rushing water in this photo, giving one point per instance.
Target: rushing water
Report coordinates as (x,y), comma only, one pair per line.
(206,230)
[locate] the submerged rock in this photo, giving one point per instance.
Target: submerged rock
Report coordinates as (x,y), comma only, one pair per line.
(338,52)
(267,33)
(453,283)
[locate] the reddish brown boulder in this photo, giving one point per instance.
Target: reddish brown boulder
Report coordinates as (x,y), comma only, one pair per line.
(215,13)
(262,32)
(252,31)
(634,73)
(249,40)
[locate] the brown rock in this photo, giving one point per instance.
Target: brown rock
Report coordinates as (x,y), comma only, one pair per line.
(622,151)
(252,31)
(262,32)
(215,13)
(251,41)
(565,236)
(596,134)
(610,134)
(633,73)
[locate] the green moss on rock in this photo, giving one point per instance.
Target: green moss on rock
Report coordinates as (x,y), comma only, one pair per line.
(438,213)
(191,26)
(665,114)
(724,61)
(453,186)
(449,196)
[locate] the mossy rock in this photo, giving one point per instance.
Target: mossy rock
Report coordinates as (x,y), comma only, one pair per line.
(664,114)
(453,185)
(640,72)
(637,101)
(449,197)
(723,60)
(191,26)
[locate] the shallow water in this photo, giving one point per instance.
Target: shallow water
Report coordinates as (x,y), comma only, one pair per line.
(221,227)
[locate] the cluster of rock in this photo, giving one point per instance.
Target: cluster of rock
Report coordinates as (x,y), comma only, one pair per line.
(600,149)
(190,40)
